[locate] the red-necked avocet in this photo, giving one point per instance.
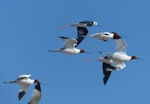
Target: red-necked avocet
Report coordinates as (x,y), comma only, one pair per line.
(82,29)
(69,47)
(115,61)
(24,82)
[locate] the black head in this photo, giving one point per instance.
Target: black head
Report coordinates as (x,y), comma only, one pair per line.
(116,35)
(36,81)
(133,57)
(82,51)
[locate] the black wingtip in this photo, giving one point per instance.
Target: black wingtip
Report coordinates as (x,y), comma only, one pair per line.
(105,80)
(21,94)
(63,37)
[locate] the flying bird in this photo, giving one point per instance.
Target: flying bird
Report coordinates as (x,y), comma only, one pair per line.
(115,61)
(120,55)
(82,24)
(36,94)
(82,29)
(69,47)
(24,82)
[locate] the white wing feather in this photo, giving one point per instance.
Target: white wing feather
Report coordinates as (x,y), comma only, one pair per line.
(70,43)
(120,45)
(27,76)
(103,36)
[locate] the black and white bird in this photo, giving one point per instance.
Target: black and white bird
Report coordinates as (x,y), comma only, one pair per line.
(116,60)
(24,82)
(120,56)
(69,47)
(36,94)
(82,29)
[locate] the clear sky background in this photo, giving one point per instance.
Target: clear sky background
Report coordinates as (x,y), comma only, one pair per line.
(28,29)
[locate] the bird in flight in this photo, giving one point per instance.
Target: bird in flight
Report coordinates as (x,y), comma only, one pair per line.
(116,60)
(69,47)
(82,30)
(24,82)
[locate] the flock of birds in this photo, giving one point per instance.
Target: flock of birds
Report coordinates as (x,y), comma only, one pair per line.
(111,61)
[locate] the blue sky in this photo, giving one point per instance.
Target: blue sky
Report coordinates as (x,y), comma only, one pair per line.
(28,29)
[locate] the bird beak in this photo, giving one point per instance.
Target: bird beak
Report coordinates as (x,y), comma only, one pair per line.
(88,52)
(100,26)
(140,58)
(89,59)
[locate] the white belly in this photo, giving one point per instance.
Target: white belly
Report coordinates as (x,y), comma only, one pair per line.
(120,56)
(71,51)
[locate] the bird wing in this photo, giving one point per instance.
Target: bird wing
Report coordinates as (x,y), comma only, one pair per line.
(18,79)
(36,94)
(27,76)
(82,32)
(69,42)
(120,45)
(22,91)
(105,36)
(107,64)
(106,73)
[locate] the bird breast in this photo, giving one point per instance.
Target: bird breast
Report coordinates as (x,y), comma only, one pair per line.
(26,81)
(120,56)
(71,51)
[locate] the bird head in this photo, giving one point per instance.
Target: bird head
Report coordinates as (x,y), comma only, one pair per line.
(82,51)
(36,81)
(134,57)
(116,35)
(95,23)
